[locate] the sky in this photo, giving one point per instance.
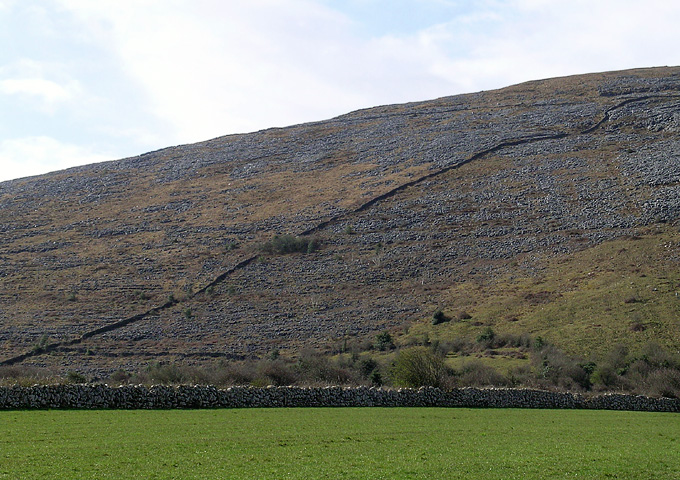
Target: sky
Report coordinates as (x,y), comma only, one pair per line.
(83,81)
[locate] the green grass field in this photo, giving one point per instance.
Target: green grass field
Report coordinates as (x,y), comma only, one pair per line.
(368,443)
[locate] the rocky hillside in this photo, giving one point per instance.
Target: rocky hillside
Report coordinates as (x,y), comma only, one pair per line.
(446,204)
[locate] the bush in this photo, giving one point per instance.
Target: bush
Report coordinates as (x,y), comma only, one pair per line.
(275,372)
(439,317)
(664,382)
(657,357)
(475,374)
(605,376)
(383,341)
(539,343)
(560,370)
(75,377)
(42,344)
(486,336)
(376,378)
(315,368)
(120,376)
(418,367)
(233,373)
(367,367)
(162,374)
(637,327)
(284,244)
(510,340)
(457,345)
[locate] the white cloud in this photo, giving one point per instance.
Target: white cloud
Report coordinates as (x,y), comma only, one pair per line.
(49,91)
(212,68)
(21,157)
(45,86)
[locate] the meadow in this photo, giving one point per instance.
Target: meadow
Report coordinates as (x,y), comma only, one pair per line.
(339,443)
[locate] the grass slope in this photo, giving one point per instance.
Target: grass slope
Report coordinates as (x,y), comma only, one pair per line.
(340,444)
(619,292)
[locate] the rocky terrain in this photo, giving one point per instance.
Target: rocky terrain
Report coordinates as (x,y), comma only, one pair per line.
(157,257)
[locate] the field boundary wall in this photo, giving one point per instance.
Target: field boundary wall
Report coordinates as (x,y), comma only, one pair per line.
(196,396)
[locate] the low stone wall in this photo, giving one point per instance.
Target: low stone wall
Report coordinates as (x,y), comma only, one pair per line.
(185,396)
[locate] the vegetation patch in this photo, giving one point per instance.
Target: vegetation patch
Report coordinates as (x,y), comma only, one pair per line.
(620,292)
(284,244)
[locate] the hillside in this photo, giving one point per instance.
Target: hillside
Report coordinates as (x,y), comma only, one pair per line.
(548,208)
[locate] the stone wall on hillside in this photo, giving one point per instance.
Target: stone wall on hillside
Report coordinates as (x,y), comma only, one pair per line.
(187,396)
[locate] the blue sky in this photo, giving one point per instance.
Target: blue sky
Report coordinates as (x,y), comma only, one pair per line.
(83,81)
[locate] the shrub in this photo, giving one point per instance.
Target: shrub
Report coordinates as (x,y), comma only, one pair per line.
(163,374)
(618,358)
(376,378)
(511,340)
(588,367)
(439,317)
(637,327)
(120,376)
(457,345)
(383,341)
(315,368)
(274,372)
(657,357)
(418,367)
(367,367)
(274,354)
(520,376)
(42,344)
(475,374)
(539,343)
(664,382)
(230,290)
(560,370)
(605,376)
(233,373)
(75,377)
(284,244)
(486,336)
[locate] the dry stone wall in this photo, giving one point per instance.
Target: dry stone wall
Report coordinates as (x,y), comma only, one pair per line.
(187,396)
